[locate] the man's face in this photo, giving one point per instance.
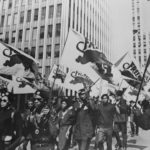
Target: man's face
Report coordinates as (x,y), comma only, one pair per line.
(30,104)
(82,96)
(63,105)
(105,99)
(4,102)
(37,103)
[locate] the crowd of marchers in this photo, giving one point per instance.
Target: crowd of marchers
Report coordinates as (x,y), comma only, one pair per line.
(62,123)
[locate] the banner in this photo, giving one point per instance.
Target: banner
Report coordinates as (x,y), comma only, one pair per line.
(76,80)
(129,70)
(17,63)
(80,54)
(20,85)
(57,75)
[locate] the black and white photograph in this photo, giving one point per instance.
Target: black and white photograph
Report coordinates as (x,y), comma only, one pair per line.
(74,74)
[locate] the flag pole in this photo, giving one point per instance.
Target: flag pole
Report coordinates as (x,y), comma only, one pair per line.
(54,82)
(142,79)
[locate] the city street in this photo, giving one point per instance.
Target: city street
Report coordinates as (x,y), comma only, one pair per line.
(140,142)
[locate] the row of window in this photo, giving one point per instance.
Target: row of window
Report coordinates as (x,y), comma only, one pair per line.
(36,15)
(4,5)
(34,33)
(40,52)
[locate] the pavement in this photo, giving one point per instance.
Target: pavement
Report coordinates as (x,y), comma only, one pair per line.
(140,142)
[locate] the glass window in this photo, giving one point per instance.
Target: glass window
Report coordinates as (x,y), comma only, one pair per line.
(42,32)
(51,11)
(2,21)
(29,2)
(29,16)
(15,19)
(27,34)
(43,14)
(26,50)
(16,2)
(59,7)
(10,4)
(20,36)
(8,20)
(48,51)
(36,11)
(58,26)
(40,52)
(50,28)
(13,36)
(21,16)
(4,4)
(7,37)
(34,32)
(56,50)
(36,1)
(22,2)
(32,52)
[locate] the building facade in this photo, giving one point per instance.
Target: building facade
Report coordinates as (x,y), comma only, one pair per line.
(141,33)
(40,27)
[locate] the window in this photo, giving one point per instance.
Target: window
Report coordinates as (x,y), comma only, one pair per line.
(15,19)
(13,36)
(8,20)
(58,26)
(48,51)
(59,7)
(7,37)
(20,36)
(50,28)
(43,14)
(2,21)
(40,52)
(36,1)
(51,11)
(26,50)
(22,17)
(32,52)
(16,2)
(36,11)
(42,32)
(27,34)
(4,4)
(10,4)
(34,32)
(22,2)
(56,50)
(29,16)
(29,2)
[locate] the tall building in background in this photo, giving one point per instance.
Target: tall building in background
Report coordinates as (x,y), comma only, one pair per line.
(141,30)
(40,27)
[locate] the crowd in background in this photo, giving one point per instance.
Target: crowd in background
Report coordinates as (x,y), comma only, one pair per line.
(65,122)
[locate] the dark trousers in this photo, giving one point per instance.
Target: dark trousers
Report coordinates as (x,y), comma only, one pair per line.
(134,128)
(84,144)
(104,134)
(121,127)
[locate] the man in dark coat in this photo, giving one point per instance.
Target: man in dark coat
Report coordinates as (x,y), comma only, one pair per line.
(106,112)
(120,121)
(83,131)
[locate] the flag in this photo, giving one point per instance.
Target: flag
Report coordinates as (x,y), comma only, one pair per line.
(57,73)
(129,70)
(17,63)
(84,57)
(76,80)
(20,85)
